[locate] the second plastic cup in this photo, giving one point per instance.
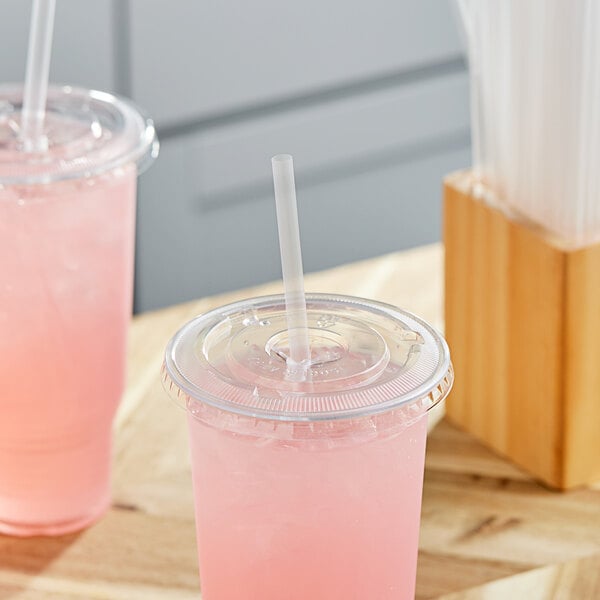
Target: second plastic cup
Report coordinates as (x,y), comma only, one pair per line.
(308,489)
(67,224)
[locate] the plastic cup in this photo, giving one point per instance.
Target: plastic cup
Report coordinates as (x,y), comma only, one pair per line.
(67,218)
(308,489)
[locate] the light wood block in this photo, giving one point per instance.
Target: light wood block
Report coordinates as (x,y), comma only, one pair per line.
(523,325)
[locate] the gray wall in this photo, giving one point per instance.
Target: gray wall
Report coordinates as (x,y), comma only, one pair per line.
(83,46)
(369,97)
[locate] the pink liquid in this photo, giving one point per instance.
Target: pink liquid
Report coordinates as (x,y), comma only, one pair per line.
(66,256)
(284,512)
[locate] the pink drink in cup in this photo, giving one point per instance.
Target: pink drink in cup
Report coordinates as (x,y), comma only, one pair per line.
(67,224)
(308,489)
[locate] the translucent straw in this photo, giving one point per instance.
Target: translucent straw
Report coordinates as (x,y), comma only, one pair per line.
(36,76)
(535,95)
(291,261)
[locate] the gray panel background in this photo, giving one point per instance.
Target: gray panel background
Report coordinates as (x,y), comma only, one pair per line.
(83,44)
(227,55)
(371,98)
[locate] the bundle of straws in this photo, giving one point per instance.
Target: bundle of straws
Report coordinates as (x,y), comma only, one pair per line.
(535,105)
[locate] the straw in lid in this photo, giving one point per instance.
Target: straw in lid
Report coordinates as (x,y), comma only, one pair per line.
(366,358)
(87,132)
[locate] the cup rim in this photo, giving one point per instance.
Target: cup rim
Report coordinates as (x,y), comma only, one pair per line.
(185,393)
(140,149)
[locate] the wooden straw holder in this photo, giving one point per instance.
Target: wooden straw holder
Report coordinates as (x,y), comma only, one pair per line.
(523,325)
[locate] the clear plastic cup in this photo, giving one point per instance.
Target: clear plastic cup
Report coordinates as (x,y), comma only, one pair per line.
(67,224)
(308,489)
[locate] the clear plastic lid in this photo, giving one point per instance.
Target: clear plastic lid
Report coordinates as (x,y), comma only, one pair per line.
(86,133)
(366,358)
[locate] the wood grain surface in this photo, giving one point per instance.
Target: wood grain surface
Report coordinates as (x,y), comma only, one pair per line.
(488,531)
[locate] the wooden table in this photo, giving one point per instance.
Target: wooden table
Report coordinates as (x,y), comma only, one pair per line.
(488,530)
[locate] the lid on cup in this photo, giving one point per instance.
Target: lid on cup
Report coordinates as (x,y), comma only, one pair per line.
(87,133)
(366,358)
